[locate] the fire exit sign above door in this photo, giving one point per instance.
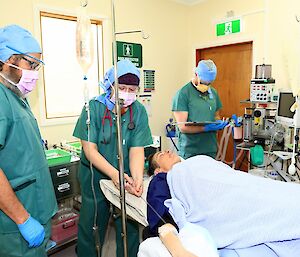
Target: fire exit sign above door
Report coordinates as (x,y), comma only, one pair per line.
(228,27)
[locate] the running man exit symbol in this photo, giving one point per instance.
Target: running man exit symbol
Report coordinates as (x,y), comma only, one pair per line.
(128,50)
(228,28)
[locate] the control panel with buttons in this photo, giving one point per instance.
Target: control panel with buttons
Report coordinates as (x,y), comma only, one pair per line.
(261,90)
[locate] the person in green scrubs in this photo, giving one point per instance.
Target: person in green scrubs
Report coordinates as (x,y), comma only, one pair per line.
(27,199)
(198,101)
(100,148)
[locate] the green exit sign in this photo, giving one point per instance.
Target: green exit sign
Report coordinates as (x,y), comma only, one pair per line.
(229,27)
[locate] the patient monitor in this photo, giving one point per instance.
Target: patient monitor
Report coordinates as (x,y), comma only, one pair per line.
(284,114)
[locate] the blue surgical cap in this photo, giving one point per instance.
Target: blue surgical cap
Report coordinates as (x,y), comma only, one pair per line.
(207,71)
(124,67)
(16,40)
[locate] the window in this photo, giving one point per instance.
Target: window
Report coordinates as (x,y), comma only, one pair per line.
(63,96)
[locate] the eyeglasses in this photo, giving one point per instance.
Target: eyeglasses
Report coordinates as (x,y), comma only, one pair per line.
(33,65)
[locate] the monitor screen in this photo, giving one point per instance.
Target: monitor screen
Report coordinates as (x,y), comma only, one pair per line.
(284,115)
(285,101)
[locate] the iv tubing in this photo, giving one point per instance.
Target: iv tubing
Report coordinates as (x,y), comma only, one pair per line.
(95,226)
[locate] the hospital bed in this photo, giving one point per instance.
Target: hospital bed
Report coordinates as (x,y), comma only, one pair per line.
(194,240)
(136,208)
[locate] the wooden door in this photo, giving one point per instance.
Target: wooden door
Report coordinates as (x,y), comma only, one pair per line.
(234,71)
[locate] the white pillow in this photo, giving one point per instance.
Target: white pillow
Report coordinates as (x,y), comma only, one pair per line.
(136,207)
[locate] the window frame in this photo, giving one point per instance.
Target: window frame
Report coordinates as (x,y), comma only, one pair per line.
(44,12)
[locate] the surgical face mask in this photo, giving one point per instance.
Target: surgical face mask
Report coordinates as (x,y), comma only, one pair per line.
(129,98)
(202,88)
(27,81)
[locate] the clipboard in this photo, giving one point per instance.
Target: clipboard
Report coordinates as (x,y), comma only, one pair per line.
(194,123)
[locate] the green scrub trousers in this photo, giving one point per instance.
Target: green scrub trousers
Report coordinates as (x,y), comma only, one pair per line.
(14,245)
(86,242)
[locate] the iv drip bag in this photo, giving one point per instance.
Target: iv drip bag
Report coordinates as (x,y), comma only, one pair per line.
(84,42)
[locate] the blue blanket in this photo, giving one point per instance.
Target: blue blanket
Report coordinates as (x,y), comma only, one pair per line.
(239,210)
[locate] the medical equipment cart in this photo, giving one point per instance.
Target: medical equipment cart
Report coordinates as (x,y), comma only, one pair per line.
(66,187)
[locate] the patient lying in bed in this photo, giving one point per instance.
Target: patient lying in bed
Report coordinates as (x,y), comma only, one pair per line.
(244,214)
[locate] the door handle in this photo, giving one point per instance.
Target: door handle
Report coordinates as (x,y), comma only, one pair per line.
(63,173)
(64,187)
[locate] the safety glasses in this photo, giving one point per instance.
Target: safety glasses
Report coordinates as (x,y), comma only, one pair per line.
(33,65)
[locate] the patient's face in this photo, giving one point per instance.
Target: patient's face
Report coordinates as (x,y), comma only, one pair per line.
(165,160)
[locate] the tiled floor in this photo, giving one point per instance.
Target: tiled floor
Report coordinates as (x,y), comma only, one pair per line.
(68,252)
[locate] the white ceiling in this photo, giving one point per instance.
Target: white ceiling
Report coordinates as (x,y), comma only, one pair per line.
(189,2)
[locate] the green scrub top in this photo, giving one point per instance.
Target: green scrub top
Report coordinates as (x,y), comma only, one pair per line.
(140,136)
(23,160)
(200,107)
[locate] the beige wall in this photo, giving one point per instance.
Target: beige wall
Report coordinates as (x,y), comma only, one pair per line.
(165,51)
(270,24)
(202,33)
(175,32)
(284,50)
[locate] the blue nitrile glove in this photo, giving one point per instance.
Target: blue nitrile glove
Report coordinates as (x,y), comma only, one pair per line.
(235,119)
(215,126)
(32,231)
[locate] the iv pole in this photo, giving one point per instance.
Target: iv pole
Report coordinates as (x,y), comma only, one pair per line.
(119,131)
(84,55)
(119,135)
